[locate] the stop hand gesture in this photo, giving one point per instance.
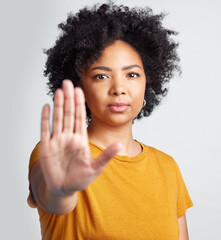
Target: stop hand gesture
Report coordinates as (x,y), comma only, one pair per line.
(65,156)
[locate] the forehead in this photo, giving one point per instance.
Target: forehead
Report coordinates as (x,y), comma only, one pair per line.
(118,55)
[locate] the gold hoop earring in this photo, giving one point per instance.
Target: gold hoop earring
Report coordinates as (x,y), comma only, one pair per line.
(144,102)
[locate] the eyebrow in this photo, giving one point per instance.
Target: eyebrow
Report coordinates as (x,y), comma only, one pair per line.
(109,69)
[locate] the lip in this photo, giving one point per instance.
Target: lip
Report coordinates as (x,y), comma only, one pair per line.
(118,104)
(118,107)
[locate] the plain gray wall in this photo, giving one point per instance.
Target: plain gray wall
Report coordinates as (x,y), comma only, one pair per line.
(187,125)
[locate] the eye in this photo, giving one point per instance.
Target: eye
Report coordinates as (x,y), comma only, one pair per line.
(100,76)
(133,75)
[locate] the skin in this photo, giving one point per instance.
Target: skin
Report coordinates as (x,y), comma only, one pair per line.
(66,165)
(105,82)
(183,228)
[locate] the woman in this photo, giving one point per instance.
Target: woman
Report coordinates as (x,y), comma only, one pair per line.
(98,182)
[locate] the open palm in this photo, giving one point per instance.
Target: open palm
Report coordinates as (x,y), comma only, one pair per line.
(65,156)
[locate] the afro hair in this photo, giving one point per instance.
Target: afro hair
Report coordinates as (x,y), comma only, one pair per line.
(86,33)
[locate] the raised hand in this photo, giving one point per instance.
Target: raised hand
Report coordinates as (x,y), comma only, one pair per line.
(65,156)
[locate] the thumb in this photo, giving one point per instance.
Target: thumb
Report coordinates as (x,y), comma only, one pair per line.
(101,161)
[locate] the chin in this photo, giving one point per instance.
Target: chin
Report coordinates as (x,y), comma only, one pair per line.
(118,120)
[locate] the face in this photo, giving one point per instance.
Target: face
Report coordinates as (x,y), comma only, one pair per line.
(114,85)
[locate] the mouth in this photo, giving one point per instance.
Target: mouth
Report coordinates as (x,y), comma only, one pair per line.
(118,107)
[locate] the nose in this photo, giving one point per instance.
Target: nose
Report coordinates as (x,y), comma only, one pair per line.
(118,87)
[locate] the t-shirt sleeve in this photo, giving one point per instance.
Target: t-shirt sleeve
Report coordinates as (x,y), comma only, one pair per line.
(183,198)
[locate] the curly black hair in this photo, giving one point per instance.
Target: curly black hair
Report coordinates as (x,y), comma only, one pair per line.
(86,33)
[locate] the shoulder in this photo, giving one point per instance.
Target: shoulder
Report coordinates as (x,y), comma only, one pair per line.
(158,153)
(160,157)
(164,164)
(35,152)
(34,157)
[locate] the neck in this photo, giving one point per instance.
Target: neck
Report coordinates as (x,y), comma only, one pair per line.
(105,135)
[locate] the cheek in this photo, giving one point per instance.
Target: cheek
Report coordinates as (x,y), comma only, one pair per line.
(94,98)
(139,91)
(138,97)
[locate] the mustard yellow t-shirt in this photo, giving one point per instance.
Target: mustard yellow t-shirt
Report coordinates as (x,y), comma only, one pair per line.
(135,198)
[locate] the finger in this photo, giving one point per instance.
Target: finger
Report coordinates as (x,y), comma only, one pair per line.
(58,112)
(68,89)
(80,112)
(45,128)
(99,163)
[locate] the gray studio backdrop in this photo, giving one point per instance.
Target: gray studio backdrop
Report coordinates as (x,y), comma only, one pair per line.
(186,125)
